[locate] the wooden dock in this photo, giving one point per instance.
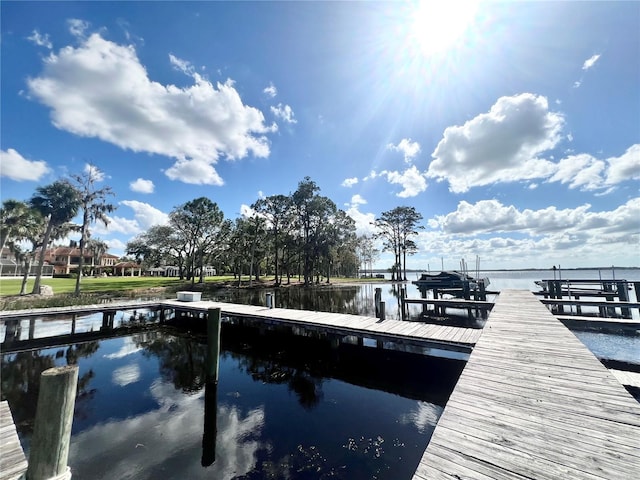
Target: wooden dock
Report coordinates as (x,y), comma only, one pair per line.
(13,462)
(81,309)
(417,333)
(533,402)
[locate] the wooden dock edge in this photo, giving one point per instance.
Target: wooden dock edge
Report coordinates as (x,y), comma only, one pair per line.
(13,462)
(533,402)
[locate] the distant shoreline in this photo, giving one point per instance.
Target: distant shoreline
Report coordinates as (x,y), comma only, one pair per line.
(514,269)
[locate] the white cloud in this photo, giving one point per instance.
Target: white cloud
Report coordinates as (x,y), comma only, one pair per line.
(491,216)
(373,174)
(590,62)
(412,181)
(577,84)
(574,237)
(127,226)
(408,148)
(182,65)
(77,27)
(16,167)
(271,91)
(141,185)
(145,215)
(580,171)
(41,40)
(624,167)
(94,172)
(349,182)
(197,172)
(589,173)
(284,112)
(364,221)
(502,145)
(101,90)
(358,200)
(116,245)
(246,211)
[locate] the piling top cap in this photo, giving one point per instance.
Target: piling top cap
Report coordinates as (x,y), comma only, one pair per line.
(66,369)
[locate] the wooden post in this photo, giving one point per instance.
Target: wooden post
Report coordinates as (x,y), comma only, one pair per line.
(403,295)
(269,300)
(377,298)
(382,315)
(608,288)
(213,344)
(623,296)
(49,452)
(558,289)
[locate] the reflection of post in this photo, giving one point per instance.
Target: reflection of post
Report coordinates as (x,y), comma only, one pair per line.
(377,299)
(13,331)
(211,388)
(210,423)
(32,328)
(49,450)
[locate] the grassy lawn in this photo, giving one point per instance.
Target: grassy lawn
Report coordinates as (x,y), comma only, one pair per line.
(11,286)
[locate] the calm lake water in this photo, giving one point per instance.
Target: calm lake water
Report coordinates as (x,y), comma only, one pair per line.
(284,407)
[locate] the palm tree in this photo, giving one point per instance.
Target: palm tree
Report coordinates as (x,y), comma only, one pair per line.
(13,216)
(98,248)
(94,208)
(58,203)
(34,234)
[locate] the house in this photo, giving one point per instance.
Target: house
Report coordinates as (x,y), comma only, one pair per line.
(108,260)
(127,269)
(67,259)
(11,266)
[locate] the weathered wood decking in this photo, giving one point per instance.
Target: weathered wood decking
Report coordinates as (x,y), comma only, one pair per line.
(81,309)
(534,402)
(12,459)
(436,336)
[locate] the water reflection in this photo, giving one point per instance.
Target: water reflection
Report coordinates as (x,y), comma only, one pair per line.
(166,442)
(284,406)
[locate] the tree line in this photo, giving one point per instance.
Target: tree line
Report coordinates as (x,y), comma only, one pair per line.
(302,234)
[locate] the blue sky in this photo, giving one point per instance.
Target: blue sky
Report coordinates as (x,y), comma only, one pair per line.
(513,128)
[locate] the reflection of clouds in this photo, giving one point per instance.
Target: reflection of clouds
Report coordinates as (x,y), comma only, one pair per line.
(125,375)
(167,442)
(128,347)
(424,417)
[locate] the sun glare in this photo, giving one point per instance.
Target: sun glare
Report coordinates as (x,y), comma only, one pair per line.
(435,26)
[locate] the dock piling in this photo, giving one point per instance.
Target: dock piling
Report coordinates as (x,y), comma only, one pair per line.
(382,314)
(377,298)
(49,452)
(213,343)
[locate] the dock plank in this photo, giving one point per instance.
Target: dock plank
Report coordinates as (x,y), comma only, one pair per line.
(534,402)
(13,462)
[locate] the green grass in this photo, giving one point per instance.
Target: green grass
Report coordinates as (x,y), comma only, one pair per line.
(11,286)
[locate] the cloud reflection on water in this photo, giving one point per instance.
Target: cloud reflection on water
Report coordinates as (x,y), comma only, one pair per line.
(166,442)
